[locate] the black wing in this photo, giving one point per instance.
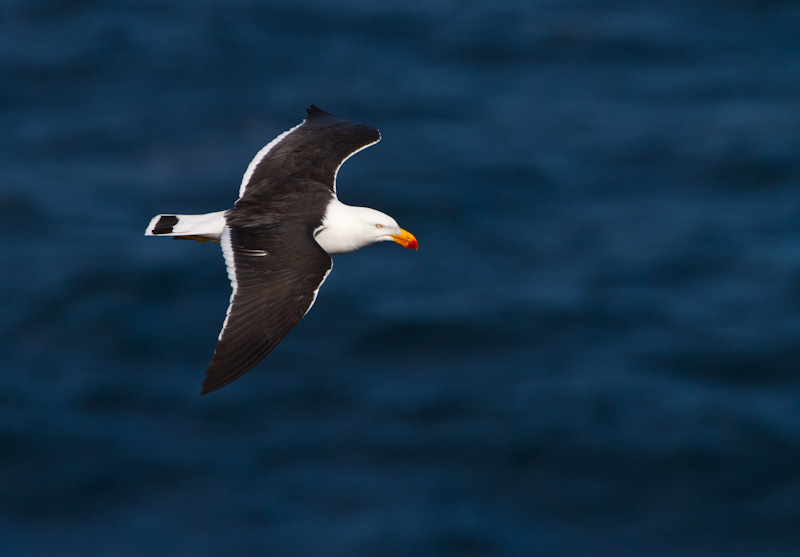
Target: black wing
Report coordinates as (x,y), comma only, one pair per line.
(275,274)
(313,150)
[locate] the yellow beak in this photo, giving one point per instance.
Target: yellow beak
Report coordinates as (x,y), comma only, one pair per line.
(405,239)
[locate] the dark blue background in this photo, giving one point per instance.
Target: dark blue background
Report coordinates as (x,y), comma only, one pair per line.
(595,350)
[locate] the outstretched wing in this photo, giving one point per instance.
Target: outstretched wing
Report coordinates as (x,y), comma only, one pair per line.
(313,150)
(275,273)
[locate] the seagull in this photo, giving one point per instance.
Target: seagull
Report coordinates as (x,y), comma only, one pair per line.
(278,238)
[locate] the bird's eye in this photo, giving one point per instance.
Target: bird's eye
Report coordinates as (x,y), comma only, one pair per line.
(378,226)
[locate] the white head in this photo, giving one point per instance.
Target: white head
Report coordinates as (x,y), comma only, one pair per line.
(347,228)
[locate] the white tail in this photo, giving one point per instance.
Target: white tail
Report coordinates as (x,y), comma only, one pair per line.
(192,227)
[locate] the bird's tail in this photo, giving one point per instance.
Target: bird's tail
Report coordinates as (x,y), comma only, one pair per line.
(188,227)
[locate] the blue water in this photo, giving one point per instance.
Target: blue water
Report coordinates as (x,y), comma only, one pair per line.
(594,352)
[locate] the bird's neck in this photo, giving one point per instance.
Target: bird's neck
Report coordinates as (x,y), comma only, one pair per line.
(342,229)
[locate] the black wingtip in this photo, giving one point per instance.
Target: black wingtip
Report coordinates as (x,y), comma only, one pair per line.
(316,112)
(207,387)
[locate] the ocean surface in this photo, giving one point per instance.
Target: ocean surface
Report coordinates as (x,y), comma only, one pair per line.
(596,350)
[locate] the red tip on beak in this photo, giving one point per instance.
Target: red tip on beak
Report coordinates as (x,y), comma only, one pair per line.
(406,239)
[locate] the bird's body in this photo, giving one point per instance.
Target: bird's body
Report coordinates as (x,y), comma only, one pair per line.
(278,237)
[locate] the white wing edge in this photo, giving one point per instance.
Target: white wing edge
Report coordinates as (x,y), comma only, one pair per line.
(227,253)
(336,172)
(251,168)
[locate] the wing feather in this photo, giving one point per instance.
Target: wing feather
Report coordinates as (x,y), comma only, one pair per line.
(271,293)
(313,150)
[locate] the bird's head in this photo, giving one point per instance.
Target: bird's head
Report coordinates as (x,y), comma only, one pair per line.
(384,228)
(346,228)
